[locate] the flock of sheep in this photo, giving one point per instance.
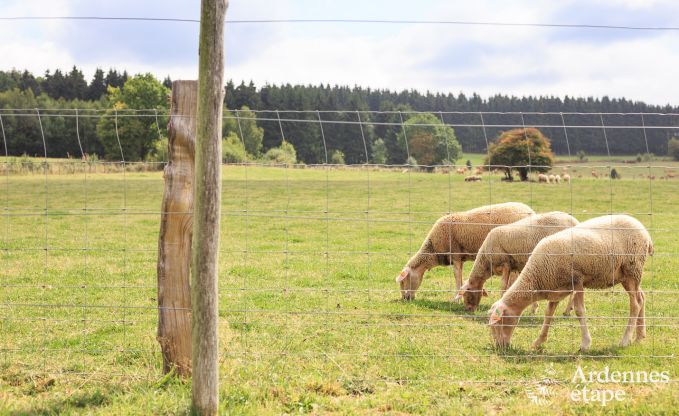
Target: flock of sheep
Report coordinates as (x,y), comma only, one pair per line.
(540,257)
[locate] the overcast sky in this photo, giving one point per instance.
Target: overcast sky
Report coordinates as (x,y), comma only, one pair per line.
(639,65)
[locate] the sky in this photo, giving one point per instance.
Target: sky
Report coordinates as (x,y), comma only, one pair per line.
(637,65)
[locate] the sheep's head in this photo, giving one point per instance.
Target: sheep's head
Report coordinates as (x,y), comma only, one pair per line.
(410,280)
(502,321)
(472,296)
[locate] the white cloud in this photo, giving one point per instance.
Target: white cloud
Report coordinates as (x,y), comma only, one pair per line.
(487,60)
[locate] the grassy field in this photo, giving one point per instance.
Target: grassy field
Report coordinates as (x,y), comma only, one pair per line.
(311,319)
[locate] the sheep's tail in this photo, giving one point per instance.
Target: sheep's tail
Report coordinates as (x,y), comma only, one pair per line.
(650,249)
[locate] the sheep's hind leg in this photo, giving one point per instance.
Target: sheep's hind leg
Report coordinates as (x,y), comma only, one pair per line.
(549,315)
(632,288)
(569,307)
(641,320)
(578,299)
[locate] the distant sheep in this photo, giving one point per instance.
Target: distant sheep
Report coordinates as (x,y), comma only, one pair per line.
(473,179)
(566,178)
(552,179)
(595,174)
(460,171)
(543,178)
(557,178)
(506,249)
(597,254)
(454,239)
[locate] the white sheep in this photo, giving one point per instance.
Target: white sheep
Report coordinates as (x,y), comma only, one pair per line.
(552,179)
(557,178)
(454,239)
(506,250)
(597,254)
(543,178)
(566,178)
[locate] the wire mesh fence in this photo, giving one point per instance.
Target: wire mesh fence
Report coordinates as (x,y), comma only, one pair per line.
(310,250)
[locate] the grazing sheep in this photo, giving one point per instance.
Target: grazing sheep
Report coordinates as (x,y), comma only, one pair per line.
(473,179)
(543,178)
(595,174)
(566,178)
(506,250)
(454,239)
(557,178)
(552,179)
(460,171)
(597,254)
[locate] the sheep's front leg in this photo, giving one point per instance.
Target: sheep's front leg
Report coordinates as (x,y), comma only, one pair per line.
(549,315)
(578,299)
(504,280)
(457,268)
(632,289)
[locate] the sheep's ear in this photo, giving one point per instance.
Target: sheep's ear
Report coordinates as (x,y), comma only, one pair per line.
(460,293)
(483,292)
(401,277)
(496,312)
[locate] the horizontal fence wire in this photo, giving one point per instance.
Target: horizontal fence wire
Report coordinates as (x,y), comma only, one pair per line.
(310,251)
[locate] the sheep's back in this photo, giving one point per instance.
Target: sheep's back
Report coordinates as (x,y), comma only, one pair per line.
(465,232)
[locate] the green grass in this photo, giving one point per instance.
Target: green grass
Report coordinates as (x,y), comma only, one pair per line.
(303,332)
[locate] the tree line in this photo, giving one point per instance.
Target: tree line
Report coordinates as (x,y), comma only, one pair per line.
(352,125)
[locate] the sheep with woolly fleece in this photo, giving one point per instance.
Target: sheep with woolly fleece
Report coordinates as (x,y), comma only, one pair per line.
(557,178)
(566,178)
(597,254)
(506,250)
(552,179)
(543,178)
(454,239)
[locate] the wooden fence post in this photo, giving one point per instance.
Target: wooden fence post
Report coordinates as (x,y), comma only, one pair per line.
(176,228)
(204,294)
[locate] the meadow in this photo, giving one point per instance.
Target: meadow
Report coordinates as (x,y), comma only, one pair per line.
(311,318)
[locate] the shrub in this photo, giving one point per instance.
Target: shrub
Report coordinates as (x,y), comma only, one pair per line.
(337,157)
(284,154)
(582,156)
(159,151)
(379,152)
(673,148)
(233,150)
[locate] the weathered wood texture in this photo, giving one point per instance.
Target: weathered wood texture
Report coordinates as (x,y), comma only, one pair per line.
(176,228)
(208,189)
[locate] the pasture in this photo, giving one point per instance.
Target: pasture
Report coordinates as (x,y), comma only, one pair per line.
(311,316)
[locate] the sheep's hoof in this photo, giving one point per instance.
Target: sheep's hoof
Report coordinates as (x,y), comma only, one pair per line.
(537,345)
(457,300)
(584,347)
(567,313)
(624,342)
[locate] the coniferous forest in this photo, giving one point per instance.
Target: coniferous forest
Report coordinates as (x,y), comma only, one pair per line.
(476,120)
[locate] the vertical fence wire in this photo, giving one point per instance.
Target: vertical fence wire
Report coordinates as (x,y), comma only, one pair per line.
(5,248)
